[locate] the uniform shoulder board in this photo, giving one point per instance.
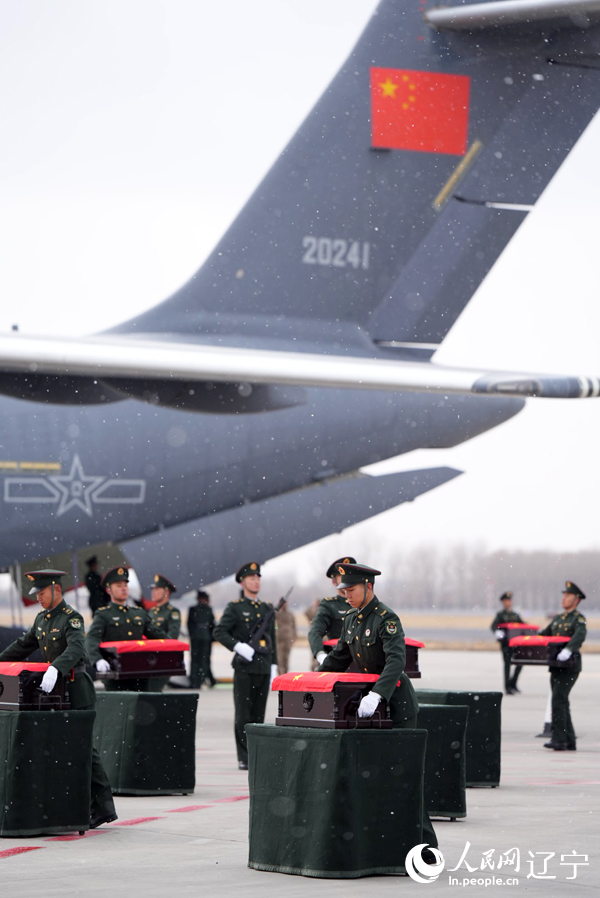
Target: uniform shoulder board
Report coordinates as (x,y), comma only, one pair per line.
(235,601)
(580,616)
(104,608)
(385,611)
(68,610)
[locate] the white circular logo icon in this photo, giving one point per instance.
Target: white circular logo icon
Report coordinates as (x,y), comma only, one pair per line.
(416,867)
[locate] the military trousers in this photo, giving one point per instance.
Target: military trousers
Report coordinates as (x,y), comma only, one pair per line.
(561,683)
(200,661)
(283,656)
(429,835)
(82,696)
(250,693)
(510,682)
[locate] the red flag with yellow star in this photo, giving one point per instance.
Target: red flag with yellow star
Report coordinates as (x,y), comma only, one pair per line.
(423,111)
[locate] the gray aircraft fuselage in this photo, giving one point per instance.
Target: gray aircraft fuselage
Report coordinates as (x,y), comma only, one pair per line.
(129,468)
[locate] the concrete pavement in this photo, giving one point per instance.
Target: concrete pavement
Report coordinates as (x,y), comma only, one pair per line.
(197,844)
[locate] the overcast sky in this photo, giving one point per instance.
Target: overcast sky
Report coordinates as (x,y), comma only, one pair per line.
(134,132)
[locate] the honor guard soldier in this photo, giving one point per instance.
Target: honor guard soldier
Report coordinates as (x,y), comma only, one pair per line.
(165,616)
(254,666)
(373,639)
(200,624)
(507,616)
(93,581)
(328,622)
(562,679)
(119,621)
(59,634)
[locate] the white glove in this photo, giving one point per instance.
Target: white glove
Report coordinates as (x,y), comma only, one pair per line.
(368,704)
(244,650)
(274,673)
(321,657)
(102,665)
(563,655)
(49,679)
(500,635)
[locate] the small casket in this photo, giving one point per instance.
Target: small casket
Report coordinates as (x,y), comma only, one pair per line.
(539,650)
(135,658)
(511,630)
(327,700)
(20,688)
(412,656)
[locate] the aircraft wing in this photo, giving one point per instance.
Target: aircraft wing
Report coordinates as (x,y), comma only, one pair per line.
(107,357)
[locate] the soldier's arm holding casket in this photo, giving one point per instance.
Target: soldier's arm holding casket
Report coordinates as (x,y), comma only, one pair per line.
(339,659)
(394,648)
(75,652)
(319,627)
(547,630)
(22,647)
(94,637)
(579,634)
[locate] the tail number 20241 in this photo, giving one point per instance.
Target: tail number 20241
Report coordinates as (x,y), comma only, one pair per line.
(336,252)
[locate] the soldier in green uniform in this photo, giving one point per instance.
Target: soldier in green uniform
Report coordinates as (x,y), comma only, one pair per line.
(93,581)
(165,616)
(328,622)
(507,616)
(570,623)
(200,624)
(253,670)
(119,621)
(59,634)
(373,639)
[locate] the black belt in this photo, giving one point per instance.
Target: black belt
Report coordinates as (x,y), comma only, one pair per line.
(79,669)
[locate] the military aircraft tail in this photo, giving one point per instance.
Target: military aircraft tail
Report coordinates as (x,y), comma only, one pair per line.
(403,185)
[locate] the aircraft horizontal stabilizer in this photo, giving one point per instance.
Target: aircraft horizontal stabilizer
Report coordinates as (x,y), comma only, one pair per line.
(113,357)
(501,13)
(206,549)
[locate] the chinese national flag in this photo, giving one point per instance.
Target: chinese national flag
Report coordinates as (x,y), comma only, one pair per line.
(424,111)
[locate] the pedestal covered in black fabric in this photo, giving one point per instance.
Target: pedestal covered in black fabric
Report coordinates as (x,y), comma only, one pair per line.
(445,759)
(483,731)
(147,742)
(334,803)
(45,771)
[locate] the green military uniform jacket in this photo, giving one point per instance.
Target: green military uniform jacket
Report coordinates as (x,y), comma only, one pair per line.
(167,618)
(374,639)
(569,623)
(505,617)
(60,636)
(239,618)
(115,623)
(328,622)
(200,622)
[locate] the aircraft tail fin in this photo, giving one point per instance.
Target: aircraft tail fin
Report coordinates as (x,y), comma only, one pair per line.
(401,188)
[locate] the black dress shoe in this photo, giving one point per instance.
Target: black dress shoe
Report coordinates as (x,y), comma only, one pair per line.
(243,765)
(571,748)
(98,819)
(514,688)
(557,746)
(428,856)
(509,691)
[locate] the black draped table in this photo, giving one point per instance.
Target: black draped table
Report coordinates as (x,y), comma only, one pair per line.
(334,803)
(45,771)
(147,741)
(445,759)
(483,731)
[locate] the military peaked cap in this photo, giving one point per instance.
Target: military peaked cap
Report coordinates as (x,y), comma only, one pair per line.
(332,569)
(573,590)
(160,582)
(116,575)
(41,579)
(247,570)
(356,573)
(505,595)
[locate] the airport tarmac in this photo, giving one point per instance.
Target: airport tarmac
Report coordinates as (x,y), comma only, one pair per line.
(547,804)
